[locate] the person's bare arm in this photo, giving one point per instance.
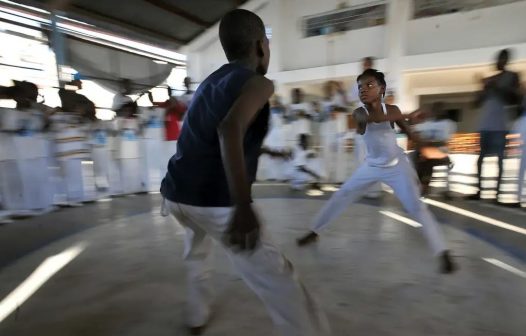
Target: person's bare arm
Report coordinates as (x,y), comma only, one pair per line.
(395,115)
(244,226)
(360,116)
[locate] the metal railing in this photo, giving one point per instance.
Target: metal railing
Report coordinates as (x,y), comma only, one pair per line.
(426,8)
(349,18)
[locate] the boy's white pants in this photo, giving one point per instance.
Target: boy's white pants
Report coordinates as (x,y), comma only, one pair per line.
(403,180)
(266,271)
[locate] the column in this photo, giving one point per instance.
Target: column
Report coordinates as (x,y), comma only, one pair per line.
(398,16)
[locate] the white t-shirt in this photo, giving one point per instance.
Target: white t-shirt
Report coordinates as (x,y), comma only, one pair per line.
(305,107)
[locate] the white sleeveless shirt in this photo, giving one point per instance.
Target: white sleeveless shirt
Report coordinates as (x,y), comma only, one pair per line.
(380,140)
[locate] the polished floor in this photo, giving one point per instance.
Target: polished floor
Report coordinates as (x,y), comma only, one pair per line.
(114,268)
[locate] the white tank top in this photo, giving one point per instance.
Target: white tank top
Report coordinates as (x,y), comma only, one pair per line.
(380,140)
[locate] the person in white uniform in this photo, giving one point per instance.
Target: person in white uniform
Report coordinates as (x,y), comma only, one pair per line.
(71,148)
(186,97)
(436,129)
(130,171)
(10,181)
(74,128)
(272,167)
(360,149)
(24,176)
(385,162)
(301,112)
(129,157)
(335,133)
(306,170)
(101,154)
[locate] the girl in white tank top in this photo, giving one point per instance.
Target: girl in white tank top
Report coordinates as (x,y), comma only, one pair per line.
(380,140)
(386,163)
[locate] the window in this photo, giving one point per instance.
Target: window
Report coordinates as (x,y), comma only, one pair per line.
(352,18)
(425,8)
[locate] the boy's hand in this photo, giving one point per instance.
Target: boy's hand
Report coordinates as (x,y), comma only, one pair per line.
(244,229)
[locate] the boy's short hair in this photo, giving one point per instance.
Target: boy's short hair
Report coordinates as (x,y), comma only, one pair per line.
(238,31)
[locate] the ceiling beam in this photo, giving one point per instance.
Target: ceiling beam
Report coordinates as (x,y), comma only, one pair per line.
(90,14)
(80,13)
(179,12)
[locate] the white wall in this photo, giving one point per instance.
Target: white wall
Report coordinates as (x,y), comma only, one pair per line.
(486,27)
(289,50)
(299,52)
(445,42)
(204,54)
(351,46)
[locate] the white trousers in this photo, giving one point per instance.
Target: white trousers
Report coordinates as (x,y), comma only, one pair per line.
(131,173)
(403,180)
(73,180)
(360,152)
(37,182)
(101,167)
(25,184)
(11,186)
(153,161)
(266,271)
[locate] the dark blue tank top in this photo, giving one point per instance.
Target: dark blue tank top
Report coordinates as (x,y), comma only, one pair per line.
(196,175)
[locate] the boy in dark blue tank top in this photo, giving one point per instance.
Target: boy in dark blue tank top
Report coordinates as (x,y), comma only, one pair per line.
(208,184)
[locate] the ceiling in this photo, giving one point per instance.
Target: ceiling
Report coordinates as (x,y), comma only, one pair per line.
(165,23)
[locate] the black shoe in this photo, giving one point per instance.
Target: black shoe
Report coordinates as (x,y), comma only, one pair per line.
(196,330)
(474,197)
(447,266)
(309,238)
(315,185)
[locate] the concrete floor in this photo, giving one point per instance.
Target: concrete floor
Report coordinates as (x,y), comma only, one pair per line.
(372,274)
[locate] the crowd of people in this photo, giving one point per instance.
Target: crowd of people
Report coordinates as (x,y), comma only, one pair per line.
(327,125)
(308,144)
(65,156)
